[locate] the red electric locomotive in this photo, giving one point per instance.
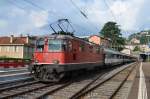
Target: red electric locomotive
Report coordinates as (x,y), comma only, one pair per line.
(62,54)
(58,55)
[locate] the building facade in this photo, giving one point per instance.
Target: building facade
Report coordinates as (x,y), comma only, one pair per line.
(17,47)
(100,40)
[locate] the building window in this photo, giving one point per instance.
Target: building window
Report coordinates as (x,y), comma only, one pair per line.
(7,49)
(15,49)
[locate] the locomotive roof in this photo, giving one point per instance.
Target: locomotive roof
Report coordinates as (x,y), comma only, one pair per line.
(56,36)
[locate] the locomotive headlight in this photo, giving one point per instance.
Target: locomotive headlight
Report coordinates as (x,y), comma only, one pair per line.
(55,61)
(36,61)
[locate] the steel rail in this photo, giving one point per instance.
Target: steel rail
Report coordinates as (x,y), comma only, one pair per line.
(87,86)
(17,86)
(24,92)
(122,83)
(99,84)
(7,83)
(53,91)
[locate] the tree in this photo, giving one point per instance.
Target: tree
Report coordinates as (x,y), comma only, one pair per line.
(111,30)
(136,49)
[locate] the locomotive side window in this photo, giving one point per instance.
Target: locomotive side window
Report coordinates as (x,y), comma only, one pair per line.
(98,50)
(81,48)
(69,46)
(40,45)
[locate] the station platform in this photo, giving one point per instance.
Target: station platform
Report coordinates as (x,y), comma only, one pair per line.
(141,85)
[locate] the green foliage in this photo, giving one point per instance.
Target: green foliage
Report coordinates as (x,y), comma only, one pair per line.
(111,30)
(137,49)
(144,39)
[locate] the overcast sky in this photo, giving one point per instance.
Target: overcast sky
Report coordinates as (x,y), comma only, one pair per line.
(24,17)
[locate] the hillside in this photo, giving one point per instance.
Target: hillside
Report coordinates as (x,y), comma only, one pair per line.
(143,37)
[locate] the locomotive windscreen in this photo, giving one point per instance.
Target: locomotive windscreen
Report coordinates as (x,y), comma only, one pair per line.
(56,45)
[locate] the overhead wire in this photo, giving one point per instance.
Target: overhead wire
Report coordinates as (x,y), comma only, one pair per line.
(13,3)
(43,9)
(112,13)
(84,15)
(51,12)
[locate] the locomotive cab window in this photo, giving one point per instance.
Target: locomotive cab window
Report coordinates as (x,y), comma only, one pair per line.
(40,45)
(56,45)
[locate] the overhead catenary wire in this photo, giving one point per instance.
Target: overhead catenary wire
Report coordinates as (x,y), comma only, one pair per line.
(13,3)
(113,15)
(43,9)
(50,12)
(84,15)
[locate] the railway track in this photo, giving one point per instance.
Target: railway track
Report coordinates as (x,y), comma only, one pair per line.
(87,88)
(108,87)
(36,89)
(7,71)
(82,87)
(75,87)
(16,90)
(8,78)
(9,83)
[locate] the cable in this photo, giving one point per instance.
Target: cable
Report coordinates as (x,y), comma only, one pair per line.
(113,15)
(83,14)
(43,9)
(11,2)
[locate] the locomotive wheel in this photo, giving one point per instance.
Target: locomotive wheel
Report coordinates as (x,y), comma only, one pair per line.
(51,77)
(44,74)
(48,76)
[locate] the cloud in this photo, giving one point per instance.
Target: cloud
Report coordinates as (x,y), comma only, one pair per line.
(39,19)
(127,12)
(3,23)
(32,20)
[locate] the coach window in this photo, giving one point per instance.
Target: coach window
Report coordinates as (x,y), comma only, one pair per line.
(40,45)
